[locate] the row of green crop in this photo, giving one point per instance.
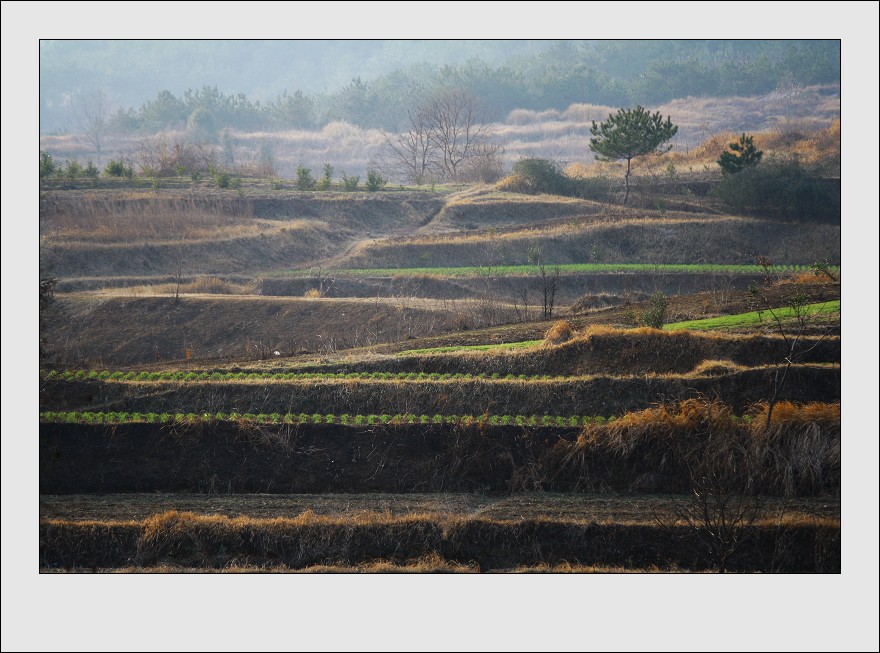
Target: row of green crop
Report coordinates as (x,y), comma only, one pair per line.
(758,317)
(303,418)
(525,270)
(105,375)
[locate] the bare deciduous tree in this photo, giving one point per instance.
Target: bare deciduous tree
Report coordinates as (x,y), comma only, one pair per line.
(413,151)
(801,318)
(458,128)
(549,284)
(91,116)
(444,136)
(549,280)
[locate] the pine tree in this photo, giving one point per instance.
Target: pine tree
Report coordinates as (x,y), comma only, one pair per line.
(744,155)
(630,133)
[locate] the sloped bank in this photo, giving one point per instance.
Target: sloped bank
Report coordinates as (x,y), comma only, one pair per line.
(666,449)
(582,396)
(187,540)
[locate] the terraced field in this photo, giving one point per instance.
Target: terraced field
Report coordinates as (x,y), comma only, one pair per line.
(429,423)
(374,384)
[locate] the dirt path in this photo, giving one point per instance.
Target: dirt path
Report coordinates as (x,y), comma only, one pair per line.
(354,247)
(359,244)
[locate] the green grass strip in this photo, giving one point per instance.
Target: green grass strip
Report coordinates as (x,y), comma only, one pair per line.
(528,270)
(753,318)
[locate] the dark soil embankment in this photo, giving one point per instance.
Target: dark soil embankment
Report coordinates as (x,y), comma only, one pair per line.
(137,330)
(798,455)
(688,240)
(193,541)
(281,232)
(224,457)
(521,290)
(624,352)
(604,396)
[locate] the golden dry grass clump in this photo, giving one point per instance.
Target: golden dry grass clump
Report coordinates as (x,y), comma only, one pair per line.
(674,446)
(717,368)
(205,285)
(559,333)
(811,278)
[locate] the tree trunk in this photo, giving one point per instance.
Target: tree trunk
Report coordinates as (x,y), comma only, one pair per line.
(626,195)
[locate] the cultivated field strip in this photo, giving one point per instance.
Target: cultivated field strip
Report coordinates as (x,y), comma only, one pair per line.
(600,351)
(564,268)
(428,540)
(598,395)
(198,376)
(654,450)
(87,417)
(585,507)
(597,352)
(661,242)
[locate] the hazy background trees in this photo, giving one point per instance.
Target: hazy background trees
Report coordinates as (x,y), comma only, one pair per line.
(365,106)
(303,84)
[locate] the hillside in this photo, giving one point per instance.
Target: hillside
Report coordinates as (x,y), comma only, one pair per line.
(519,381)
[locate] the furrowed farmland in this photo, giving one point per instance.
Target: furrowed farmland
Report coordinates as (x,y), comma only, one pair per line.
(579,369)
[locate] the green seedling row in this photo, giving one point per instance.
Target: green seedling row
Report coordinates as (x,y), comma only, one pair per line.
(85,417)
(105,375)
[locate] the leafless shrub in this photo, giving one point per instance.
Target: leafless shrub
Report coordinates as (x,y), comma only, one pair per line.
(159,156)
(720,515)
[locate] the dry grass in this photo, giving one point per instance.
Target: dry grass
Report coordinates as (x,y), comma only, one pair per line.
(200,286)
(431,564)
(138,215)
(559,333)
(811,279)
(117,233)
(716,368)
(631,236)
(814,143)
(376,543)
(696,439)
(811,145)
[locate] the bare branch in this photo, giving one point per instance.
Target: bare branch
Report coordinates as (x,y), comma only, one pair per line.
(413,151)
(91,115)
